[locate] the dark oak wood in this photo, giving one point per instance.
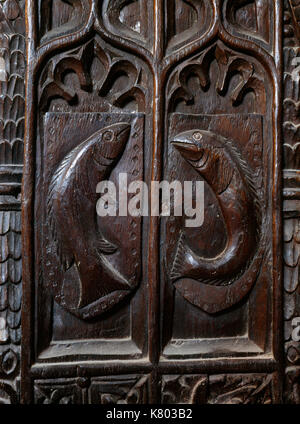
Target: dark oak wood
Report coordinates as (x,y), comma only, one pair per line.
(12,111)
(87,68)
(146,310)
(291,204)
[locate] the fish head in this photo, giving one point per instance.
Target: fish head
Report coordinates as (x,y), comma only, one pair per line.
(197,146)
(111,141)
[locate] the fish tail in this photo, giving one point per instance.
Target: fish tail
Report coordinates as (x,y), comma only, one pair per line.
(204,296)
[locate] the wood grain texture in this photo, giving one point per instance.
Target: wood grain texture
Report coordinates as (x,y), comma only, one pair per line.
(123,390)
(291,121)
(231,389)
(12,111)
(164,69)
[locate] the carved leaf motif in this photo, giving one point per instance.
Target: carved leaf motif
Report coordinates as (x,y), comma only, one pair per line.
(229,65)
(118,67)
(133,392)
(217,389)
(8,394)
(104,390)
(69,76)
(12,111)
(54,87)
(292,387)
(80,62)
(12,103)
(243,389)
(12,17)
(291,125)
(184,389)
(291,285)
(58,391)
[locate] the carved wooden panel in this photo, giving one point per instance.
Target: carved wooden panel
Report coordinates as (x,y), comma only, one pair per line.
(126,309)
(12,110)
(291,121)
(217,278)
(122,390)
(231,389)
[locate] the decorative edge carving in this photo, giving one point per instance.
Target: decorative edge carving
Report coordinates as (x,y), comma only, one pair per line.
(80,62)
(12,111)
(72,40)
(291,125)
(130,389)
(247,389)
(229,64)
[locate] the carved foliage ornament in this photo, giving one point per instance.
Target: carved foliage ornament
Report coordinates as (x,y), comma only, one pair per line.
(229,64)
(112,89)
(232,389)
(80,62)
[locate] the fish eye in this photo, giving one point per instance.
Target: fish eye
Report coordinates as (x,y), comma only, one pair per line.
(108,135)
(197,136)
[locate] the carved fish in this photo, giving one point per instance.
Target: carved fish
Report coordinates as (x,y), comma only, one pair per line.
(71,206)
(219,162)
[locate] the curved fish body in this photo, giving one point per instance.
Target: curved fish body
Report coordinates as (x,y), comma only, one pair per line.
(218,161)
(71,206)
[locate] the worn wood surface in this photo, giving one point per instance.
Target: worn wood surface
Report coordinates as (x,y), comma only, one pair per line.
(151,295)
(12,111)
(291,206)
(178,81)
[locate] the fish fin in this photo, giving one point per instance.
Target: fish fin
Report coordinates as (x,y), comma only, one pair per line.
(225,174)
(177,264)
(65,256)
(105,246)
(64,253)
(250,177)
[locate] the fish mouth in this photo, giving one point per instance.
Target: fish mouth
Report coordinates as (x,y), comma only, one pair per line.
(188,148)
(124,131)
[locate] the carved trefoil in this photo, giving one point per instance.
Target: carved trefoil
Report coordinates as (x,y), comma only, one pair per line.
(219,108)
